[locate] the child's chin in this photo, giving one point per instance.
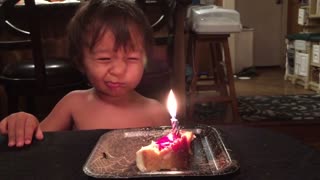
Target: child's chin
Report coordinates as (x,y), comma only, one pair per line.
(118,92)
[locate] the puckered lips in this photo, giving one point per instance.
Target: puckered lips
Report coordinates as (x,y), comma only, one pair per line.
(115,85)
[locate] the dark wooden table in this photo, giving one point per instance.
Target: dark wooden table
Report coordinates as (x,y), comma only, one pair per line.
(262,154)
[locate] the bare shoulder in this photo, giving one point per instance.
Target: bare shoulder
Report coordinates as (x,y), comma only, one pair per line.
(75,97)
(77,94)
(158,111)
(60,118)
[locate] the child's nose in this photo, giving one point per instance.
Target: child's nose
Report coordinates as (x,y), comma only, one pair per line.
(118,67)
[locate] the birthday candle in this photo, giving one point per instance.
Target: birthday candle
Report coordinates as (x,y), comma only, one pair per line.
(172,108)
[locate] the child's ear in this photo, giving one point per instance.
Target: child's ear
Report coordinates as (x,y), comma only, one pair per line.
(145,61)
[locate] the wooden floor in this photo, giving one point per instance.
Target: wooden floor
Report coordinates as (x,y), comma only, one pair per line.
(269,81)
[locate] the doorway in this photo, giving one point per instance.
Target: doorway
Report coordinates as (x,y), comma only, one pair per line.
(268,19)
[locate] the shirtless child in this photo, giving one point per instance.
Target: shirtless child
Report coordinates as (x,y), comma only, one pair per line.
(110,41)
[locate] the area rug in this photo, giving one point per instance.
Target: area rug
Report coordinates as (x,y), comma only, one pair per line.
(267,108)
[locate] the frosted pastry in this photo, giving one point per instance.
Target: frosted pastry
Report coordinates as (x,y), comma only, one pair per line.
(170,152)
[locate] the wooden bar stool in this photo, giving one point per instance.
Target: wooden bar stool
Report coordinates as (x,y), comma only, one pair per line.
(221,83)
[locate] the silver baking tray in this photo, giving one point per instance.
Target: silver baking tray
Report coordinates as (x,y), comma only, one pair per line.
(114,154)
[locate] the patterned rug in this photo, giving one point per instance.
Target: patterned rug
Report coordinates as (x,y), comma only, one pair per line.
(265,108)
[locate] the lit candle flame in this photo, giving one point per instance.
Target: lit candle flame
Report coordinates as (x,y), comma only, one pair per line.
(172,104)
(172,108)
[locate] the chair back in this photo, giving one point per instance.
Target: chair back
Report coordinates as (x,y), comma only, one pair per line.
(158,71)
(29,39)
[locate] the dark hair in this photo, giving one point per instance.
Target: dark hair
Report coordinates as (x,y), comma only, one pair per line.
(94,17)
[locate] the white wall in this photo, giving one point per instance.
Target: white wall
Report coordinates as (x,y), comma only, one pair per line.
(240,44)
(230,4)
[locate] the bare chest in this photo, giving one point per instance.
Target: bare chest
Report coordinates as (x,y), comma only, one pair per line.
(108,118)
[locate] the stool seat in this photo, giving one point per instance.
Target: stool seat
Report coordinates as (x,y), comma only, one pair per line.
(212,19)
(220,83)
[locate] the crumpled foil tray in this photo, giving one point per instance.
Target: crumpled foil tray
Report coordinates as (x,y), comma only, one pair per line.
(114,154)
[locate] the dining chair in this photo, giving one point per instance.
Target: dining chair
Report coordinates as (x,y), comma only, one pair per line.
(29,73)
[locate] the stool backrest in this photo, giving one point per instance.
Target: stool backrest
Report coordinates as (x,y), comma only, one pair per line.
(27,39)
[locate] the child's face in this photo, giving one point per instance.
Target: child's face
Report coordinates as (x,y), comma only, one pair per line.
(114,72)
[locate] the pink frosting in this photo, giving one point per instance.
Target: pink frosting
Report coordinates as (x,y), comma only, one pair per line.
(171,140)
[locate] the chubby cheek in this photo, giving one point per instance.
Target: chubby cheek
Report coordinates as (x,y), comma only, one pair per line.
(93,74)
(92,78)
(139,77)
(134,76)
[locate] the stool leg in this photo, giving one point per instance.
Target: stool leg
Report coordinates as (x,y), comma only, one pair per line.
(190,48)
(230,79)
(217,62)
(214,63)
(195,64)
(193,85)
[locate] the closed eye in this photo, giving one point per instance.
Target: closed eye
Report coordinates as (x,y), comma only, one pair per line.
(134,56)
(133,59)
(104,59)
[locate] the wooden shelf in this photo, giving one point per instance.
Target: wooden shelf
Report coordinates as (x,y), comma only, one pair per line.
(315,64)
(314,16)
(304,6)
